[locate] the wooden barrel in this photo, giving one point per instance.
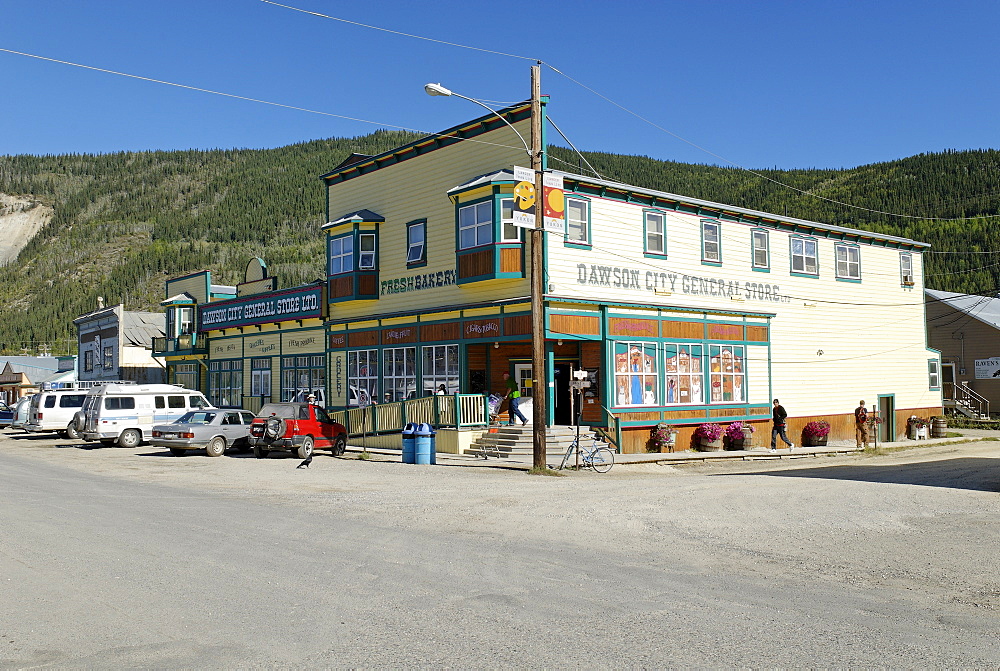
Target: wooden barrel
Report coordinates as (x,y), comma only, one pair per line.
(939,427)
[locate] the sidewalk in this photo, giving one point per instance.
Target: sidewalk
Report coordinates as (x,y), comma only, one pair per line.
(524,461)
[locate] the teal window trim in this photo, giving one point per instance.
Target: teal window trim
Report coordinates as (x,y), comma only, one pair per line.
(579,244)
(755,263)
(709,257)
(419,259)
(648,214)
(906,277)
(502,237)
(361,261)
(806,242)
(459,207)
(934,374)
(336,243)
(847,247)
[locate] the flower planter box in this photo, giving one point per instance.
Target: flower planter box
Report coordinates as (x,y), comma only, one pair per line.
(710,445)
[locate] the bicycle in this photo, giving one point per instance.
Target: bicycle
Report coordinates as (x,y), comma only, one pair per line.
(598,457)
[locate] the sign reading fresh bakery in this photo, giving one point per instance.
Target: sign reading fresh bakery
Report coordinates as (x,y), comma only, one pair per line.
(650,280)
(261,309)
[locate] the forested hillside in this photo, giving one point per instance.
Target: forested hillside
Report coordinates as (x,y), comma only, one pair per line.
(124,222)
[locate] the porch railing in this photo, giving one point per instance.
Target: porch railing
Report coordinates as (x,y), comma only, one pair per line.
(971,401)
(457,410)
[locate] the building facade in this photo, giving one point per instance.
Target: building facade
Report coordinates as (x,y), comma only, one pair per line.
(117,344)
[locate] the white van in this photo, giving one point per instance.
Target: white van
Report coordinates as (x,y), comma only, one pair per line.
(53,410)
(125,414)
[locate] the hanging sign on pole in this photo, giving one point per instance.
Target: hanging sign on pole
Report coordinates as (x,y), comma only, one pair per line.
(524,197)
(554,212)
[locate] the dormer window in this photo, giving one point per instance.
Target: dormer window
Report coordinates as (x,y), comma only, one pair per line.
(341,255)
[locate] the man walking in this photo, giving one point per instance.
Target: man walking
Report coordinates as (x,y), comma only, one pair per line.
(861,424)
(778,416)
(514,394)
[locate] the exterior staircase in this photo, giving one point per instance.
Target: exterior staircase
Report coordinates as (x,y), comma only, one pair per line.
(507,441)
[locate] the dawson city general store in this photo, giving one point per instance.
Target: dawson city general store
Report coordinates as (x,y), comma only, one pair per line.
(682,311)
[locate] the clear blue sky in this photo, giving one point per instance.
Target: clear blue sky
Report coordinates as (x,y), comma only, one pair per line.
(790,84)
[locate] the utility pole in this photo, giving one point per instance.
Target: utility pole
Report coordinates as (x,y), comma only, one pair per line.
(539,386)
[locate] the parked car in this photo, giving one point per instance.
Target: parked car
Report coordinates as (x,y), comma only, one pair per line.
(6,415)
(54,409)
(21,413)
(125,414)
(295,427)
(210,430)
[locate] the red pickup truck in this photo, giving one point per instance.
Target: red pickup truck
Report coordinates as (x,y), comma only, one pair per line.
(296,427)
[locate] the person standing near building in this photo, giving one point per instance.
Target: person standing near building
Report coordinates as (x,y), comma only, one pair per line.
(778,416)
(513,394)
(861,423)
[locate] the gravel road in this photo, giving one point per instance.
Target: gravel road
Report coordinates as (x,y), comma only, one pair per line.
(135,558)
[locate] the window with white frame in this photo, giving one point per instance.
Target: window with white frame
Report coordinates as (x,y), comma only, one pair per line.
(635,373)
(848,262)
(260,377)
(711,248)
(439,367)
(362,376)
(906,269)
(578,221)
(185,320)
(508,231)
(475,225)
(225,383)
(341,254)
(302,376)
(684,374)
(934,373)
(416,247)
(656,233)
(727,375)
(804,258)
(761,248)
(109,358)
(399,373)
(366,251)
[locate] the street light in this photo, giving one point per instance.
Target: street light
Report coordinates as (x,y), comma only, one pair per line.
(438,90)
(538,370)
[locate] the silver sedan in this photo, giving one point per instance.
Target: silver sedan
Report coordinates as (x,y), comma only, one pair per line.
(212,430)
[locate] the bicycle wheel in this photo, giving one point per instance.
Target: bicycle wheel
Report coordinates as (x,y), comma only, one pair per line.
(566,456)
(602,459)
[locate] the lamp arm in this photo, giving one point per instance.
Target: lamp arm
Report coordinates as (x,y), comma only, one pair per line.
(497,115)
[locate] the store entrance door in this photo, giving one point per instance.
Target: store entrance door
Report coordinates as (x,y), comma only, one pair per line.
(560,401)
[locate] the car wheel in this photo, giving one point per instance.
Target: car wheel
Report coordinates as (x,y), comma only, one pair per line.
(260,452)
(216,447)
(339,445)
(71,431)
(178,451)
(130,438)
(306,448)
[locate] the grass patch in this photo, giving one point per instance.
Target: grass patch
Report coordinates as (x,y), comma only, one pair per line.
(365,456)
(545,470)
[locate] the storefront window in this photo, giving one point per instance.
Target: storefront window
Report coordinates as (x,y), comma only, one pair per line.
(186,375)
(684,374)
(440,367)
(302,376)
(727,373)
(362,376)
(225,383)
(399,373)
(635,374)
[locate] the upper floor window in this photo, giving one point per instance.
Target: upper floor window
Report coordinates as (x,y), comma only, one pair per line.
(366,251)
(185,321)
(341,255)
(711,249)
(578,221)
(934,373)
(508,231)
(416,247)
(804,258)
(656,233)
(848,262)
(761,248)
(906,269)
(475,225)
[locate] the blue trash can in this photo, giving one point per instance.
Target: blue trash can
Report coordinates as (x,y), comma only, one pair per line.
(410,444)
(426,444)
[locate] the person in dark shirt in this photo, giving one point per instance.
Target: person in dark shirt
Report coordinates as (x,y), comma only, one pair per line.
(778,416)
(861,425)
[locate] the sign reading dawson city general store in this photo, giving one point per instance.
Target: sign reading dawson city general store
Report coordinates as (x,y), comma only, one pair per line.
(637,279)
(261,309)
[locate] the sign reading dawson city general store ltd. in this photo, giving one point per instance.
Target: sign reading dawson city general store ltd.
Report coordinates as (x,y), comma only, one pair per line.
(261,309)
(635,279)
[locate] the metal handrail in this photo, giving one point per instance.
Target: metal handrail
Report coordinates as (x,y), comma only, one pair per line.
(969,398)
